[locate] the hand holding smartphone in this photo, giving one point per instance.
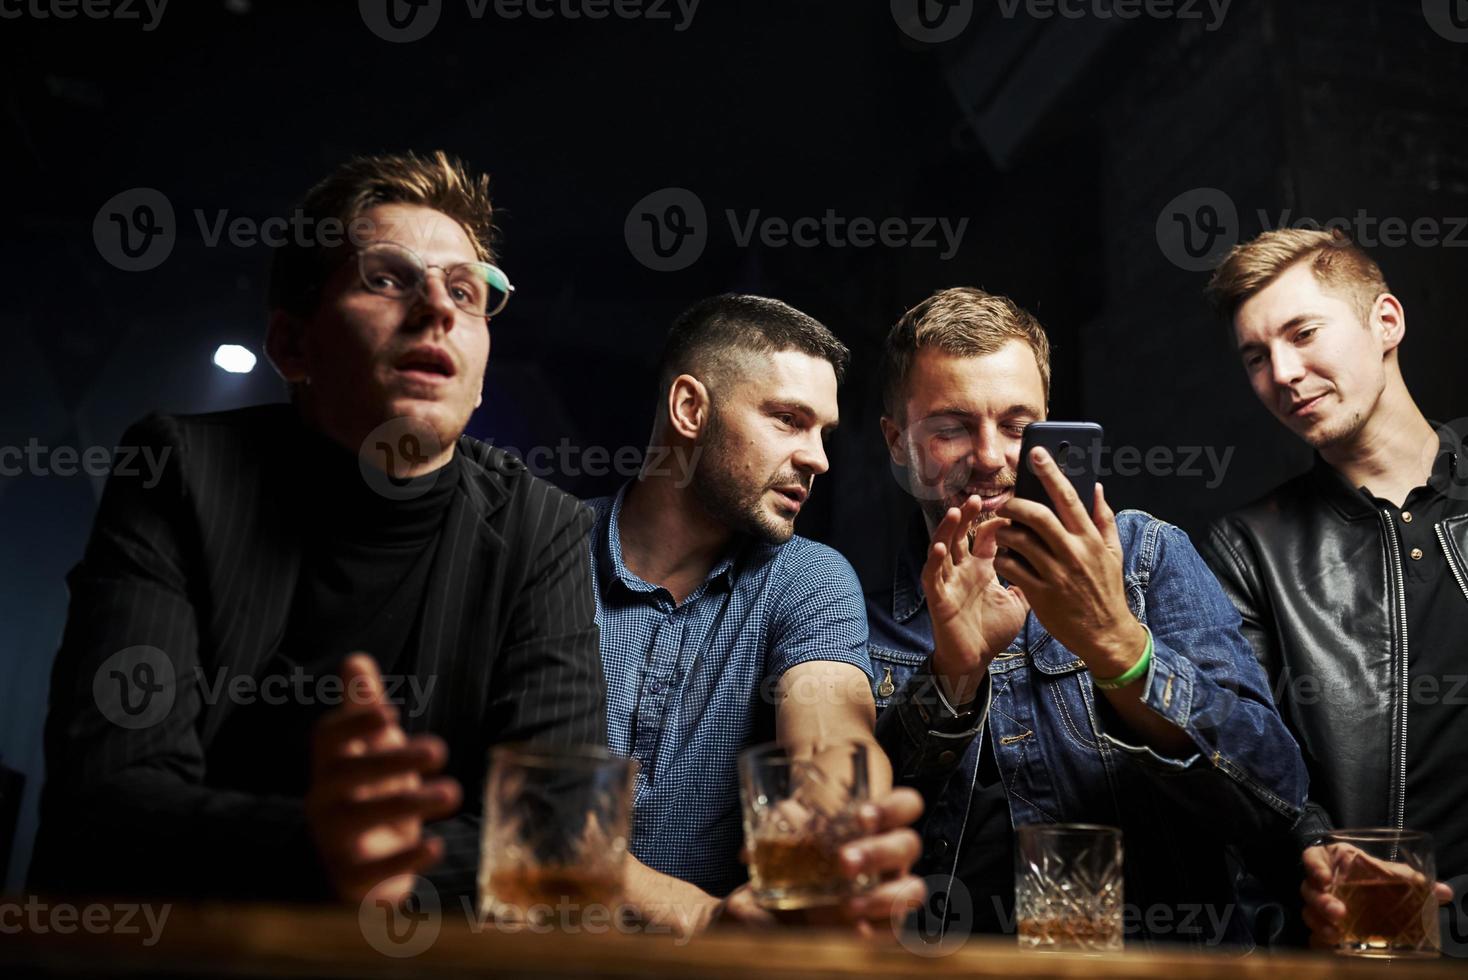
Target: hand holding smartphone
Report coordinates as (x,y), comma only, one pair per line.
(1076,449)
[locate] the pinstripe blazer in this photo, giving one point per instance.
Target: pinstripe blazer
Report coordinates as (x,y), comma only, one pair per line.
(191,576)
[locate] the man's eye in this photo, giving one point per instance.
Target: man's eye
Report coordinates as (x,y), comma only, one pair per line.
(1016,431)
(1305,334)
(785,418)
(950,433)
(1253,361)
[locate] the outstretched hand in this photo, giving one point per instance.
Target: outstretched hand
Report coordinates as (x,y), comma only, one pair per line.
(974,616)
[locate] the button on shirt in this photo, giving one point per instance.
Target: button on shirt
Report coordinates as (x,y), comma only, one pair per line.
(1437,656)
(691,685)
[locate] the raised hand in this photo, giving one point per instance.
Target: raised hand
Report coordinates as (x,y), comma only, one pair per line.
(974,616)
(369,797)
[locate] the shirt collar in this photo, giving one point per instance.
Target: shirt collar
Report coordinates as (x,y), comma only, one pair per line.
(722,573)
(1442,479)
(907,579)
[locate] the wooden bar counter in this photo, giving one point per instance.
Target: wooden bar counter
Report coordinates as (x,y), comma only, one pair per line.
(282,941)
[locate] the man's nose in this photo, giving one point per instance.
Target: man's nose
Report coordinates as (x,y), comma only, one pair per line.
(988,452)
(811,457)
(1287,364)
(433,306)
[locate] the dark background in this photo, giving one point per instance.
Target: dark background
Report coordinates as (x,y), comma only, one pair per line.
(1066,143)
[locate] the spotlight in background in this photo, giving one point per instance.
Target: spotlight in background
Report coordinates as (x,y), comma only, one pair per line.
(234,359)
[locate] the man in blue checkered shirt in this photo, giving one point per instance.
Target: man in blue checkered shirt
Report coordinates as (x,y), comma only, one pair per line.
(719,627)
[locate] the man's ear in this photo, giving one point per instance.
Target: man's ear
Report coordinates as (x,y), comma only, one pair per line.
(285,345)
(1391,320)
(894,435)
(688,406)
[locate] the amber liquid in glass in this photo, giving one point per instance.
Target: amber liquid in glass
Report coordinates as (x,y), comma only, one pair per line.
(1072,932)
(798,873)
(1384,914)
(558,893)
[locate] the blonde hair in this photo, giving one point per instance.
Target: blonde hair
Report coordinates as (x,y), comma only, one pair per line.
(963,321)
(1337,262)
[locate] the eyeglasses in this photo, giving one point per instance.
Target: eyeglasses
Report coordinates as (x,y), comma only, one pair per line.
(390,269)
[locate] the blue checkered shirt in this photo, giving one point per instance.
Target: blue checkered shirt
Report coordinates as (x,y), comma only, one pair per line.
(690,686)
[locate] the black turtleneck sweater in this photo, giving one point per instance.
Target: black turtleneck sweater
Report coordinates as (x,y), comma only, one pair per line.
(365,560)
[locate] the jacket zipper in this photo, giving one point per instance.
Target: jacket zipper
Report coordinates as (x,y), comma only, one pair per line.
(1402,679)
(1442,537)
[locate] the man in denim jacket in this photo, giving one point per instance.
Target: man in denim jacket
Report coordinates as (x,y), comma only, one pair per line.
(1042,666)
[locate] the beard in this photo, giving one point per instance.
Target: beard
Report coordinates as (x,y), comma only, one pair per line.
(731,500)
(953,491)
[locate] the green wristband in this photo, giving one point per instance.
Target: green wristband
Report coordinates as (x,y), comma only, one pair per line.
(1135,671)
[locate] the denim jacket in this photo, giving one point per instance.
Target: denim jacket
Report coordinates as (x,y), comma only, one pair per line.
(1065,756)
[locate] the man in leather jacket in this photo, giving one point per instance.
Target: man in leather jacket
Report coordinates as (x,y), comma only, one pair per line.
(1350,577)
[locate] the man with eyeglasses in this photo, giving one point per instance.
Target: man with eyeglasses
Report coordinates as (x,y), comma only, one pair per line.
(206,737)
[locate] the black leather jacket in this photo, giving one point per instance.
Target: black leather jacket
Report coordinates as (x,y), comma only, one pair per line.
(1316,571)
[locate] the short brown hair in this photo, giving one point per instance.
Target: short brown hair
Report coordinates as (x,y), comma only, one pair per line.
(963,321)
(438,181)
(1337,262)
(714,336)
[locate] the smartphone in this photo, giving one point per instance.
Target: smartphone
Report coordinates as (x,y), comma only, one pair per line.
(1075,447)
